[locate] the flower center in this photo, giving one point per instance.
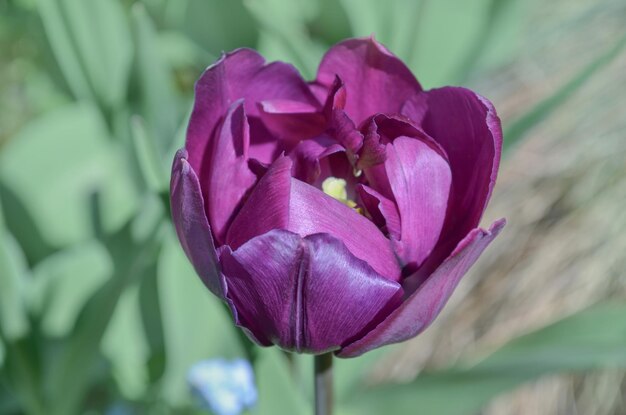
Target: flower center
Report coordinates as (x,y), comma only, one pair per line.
(336,188)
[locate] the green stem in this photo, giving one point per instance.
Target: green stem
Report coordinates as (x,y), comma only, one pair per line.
(324,384)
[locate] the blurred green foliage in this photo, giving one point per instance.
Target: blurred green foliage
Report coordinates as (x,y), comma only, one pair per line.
(99,308)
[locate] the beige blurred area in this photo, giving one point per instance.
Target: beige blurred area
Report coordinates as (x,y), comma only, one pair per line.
(563,191)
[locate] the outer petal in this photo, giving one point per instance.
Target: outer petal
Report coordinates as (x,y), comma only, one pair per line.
(421,308)
(191,224)
(282,202)
(376,81)
(242,73)
(306,294)
(467,127)
(420,180)
(229,178)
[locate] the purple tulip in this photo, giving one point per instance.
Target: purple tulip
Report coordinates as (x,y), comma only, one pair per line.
(334,215)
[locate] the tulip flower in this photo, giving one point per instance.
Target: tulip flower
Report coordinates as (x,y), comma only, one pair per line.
(336,215)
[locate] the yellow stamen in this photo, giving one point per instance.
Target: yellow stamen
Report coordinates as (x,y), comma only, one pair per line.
(336,188)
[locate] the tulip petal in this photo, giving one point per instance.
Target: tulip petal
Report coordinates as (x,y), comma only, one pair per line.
(307,157)
(267,207)
(192,226)
(242,73)
(229,178)
(279,201)
(383,211)
(421,308)
(376,81)
(313,211)
(292,121)
(420,180)
(467,127)
(305,294)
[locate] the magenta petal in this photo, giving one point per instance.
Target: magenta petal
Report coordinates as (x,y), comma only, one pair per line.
(420,180)
(421,308)
(267,207)
(376,81)
(229,178)
(292,121)
(191,224)
(281,202)
(308,154)
(313,211)
(316,295)
(383,211)
(242,73)
(467,127)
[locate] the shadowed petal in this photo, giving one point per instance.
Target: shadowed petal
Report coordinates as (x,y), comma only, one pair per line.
(191,224)
(376,81)
(383,211)
(242,73)
(305,294)
(467,127)
(420,181)
(421,308)
(229,178)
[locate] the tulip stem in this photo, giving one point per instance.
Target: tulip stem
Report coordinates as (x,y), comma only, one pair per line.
(324,384)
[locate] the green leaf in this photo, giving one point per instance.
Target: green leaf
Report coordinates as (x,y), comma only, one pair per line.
(516,130)
(70,375)
(278,393)
(195,323)
(591,339)
(148,157)
(64,282)
(158,101)
(90,42)
(126,347)
(13,279)
(52,166)
(432,37)
(284,32)
(214,25)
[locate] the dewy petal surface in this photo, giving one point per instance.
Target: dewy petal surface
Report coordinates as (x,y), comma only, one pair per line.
(229,178)
(376,81)
(420,180)
(191,224)
(242,73)
(468,128)
(282,202)
(316,294)
(421,308)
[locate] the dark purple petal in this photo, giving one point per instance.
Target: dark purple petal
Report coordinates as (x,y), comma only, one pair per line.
(242,73)
(308,156)
(376,81)
(292,121)
(467,127)
(313,211)
(305,294)
(383,211)
(421,308)
(420,180)
(267,207)
(281,202)
(229,177)
(191,224)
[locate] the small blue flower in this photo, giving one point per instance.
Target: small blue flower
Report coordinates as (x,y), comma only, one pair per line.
(224,387)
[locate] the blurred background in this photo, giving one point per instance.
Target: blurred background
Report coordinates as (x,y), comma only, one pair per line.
(100,311)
